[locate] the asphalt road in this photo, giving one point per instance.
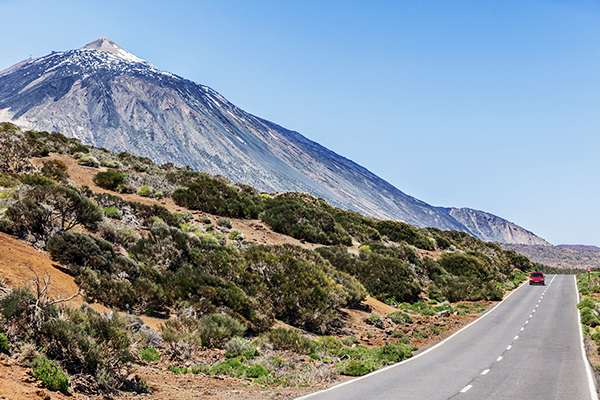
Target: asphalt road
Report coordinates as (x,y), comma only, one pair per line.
(528,347)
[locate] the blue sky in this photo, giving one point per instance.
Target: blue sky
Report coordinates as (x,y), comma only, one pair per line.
(491,105)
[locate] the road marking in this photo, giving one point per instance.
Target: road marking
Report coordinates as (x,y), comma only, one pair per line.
(499,358)
(509,347)
(526,322)
(530,316)
(353,381)
(516,337)
(466,388)
(522,329)
(485,372)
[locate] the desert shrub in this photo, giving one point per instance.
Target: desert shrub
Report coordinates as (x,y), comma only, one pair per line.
(356,367)
(4,346)
(89,161)
(296,283)
(216,329)
(50,374)
(256,371)
(402,232)
(295,217)
(146,191)
(400,318)
(146,213)
(215,197)
(586,303)
(79,148)
(55,169)
(149,354)
(224,222)
(110,179)
(376,321)
(72,248)
(36,180)
(15,150)
(88,341)
(180,334)
(112,212)
(290,339)
(235,235)
(16,302)
(6,181)
(39,210)
(237,346)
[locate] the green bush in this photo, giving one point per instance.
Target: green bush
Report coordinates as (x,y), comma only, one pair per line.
(376,321)
(89,161)
(402,232)
(290,339)
(146,191)
(216,329)
(256,371)
(296,217)
(356,367)
(55,169)
(400,318)
(36,180)
(112,212)
(79,148)
(6,181)
(110,179)
(215,197)
(4,346)
(149,354)
(50,374)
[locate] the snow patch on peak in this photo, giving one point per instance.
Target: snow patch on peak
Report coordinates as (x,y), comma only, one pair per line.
(108,46)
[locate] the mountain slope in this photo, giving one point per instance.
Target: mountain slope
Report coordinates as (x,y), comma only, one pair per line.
(108,97)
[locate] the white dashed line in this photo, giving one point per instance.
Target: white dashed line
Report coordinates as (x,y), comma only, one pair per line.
(509,347)
(466,388)
(499,358)
(522,329)
(516,337)
(485,372)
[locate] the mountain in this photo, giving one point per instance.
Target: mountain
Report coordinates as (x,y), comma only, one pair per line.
(558,256)
(491,228)
(107,97)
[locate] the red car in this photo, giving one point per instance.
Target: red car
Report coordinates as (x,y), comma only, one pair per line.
(537,278)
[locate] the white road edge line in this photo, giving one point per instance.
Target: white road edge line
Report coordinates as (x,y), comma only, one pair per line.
(588,369)
(418,355)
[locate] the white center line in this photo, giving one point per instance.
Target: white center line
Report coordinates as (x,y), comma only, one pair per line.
(516,337)
(509,347)
(466,388)
(499,358)
(485,372)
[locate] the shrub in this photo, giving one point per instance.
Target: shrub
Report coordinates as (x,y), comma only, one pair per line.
(89,161)
(216,329)
(79,148)
(400,318)
(300,219)
(146,191)
(3,343)
(55,169)
(149,355)
(110,179)
(50,374)
(376,321)
(112,212)
(291,339)
(36,180)
(256,371)
(398,231)
(6,181)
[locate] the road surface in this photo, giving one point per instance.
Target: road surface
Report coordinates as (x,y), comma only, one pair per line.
(528,347)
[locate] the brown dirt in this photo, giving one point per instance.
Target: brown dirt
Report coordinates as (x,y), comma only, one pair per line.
(16,382)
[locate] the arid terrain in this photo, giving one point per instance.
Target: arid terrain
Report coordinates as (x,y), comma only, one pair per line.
(20,261)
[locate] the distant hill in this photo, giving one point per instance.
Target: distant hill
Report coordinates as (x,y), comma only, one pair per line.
(107,97)
(594,249)
(564,256)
